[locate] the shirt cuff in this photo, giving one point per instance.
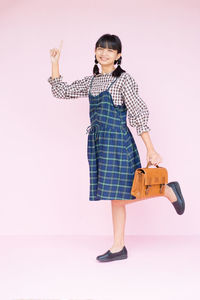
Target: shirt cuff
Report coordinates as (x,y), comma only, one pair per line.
(141,129)
(55,80)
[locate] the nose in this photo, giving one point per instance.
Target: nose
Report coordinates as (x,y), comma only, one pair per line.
(104,52)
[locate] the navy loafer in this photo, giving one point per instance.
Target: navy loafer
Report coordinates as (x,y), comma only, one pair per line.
(179,205)
(110,256)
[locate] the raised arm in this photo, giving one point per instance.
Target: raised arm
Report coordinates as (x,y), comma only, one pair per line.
(63,90)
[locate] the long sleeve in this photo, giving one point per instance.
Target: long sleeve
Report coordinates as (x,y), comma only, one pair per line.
(63,90)
(138,112)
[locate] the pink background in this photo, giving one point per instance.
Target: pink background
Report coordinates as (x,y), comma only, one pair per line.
(50,233)
(44,172)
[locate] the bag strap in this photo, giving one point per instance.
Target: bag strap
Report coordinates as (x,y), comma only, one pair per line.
(149,163)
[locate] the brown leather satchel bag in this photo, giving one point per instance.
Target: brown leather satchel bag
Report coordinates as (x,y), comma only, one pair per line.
(149,182)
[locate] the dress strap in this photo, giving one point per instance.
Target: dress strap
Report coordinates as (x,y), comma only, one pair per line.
(112,83)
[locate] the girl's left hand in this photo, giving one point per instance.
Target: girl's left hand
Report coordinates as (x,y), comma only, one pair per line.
(153,157)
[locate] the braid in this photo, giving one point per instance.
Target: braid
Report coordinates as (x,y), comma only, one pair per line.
(118,71)
(96,68)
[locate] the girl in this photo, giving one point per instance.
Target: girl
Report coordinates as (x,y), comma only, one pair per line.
(112,153)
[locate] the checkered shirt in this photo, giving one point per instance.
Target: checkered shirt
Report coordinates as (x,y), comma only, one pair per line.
(123,91)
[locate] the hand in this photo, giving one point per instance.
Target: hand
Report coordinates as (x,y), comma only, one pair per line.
(55,53)
(153,157)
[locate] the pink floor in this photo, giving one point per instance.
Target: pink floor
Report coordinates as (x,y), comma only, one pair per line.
(65,268)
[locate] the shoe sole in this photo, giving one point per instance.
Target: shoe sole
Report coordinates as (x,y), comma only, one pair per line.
(180,195)
(178,190)
(114,258)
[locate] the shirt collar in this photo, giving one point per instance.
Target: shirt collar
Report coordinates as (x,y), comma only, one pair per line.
(100,74)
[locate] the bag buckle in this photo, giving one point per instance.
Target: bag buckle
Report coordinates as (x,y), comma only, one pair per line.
(161,187)
(147,189)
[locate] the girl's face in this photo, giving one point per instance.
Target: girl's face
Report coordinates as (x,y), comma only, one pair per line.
(106,56)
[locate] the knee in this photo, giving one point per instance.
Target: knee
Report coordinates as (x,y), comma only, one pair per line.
(118,202)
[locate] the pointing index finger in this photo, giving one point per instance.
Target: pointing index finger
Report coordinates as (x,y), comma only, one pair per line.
(61,44)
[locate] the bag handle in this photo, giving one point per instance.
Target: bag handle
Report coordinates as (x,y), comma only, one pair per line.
(149,163)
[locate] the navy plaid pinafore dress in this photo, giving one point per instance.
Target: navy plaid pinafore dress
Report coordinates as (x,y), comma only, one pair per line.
(111,150)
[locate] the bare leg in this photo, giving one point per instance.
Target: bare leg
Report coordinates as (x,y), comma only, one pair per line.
(119,219)
(169,193)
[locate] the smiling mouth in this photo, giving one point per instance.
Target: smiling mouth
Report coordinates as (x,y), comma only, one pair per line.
(104,58)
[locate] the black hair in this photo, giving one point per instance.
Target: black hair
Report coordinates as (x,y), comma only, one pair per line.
(112,42)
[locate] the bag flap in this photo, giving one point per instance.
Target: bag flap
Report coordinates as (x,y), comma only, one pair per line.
(155,176)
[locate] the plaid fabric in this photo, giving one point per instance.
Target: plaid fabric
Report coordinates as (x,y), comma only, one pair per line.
(112,153)
(125,91)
